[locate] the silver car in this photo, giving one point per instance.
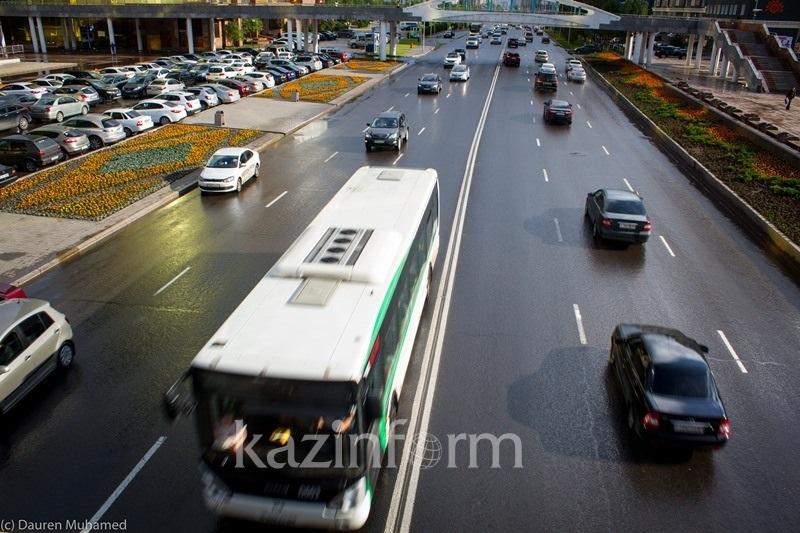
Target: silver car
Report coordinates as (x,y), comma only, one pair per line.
(71,141)
(100,129)
(226,94)
(57,108)
(86,94)
(207,96)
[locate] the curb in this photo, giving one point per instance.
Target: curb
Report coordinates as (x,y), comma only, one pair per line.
(74,251)
(777,245)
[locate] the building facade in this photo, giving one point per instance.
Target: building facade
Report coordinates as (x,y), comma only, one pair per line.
(679,8)
(778,10)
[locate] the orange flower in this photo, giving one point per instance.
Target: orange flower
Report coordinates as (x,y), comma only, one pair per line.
(645,79)
(768,165)
(700,113)
(725,134)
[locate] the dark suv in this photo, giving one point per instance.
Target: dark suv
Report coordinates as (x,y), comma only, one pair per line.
(587,49)
(13,116)
(28,152)
(388,129)
(671,51)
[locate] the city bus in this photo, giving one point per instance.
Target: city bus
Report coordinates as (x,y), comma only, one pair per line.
(295,394)
(475,27)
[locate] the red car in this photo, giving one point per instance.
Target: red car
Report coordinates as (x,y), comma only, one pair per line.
(511,59)
(243,88)
(344,57)
(9,291)
(557,111)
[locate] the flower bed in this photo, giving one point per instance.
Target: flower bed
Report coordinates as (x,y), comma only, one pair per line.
(368,65)
(769,184)
(315,88)
(95,186)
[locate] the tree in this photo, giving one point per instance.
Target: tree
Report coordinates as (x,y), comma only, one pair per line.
(232,32)
(251,28)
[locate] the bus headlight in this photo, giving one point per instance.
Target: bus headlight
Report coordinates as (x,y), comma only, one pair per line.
(350,497)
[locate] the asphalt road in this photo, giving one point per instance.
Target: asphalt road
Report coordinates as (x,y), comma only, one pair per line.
(512,359)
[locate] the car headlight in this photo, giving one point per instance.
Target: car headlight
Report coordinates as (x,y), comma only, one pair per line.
(368,135)
(229,179)
(393,135)
(353,494)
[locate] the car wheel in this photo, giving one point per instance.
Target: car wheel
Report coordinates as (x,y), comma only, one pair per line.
(95,142)
(59,116)
(65,154)
(596,232)
(30,165)
(239,185)
(66,355)
(164,121)
(23,124)
(203,105)
(128,132)
(369,147)
(84,110)
(255,172)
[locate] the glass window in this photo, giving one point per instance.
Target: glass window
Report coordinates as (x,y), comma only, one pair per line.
(681,380)
(627,207)
(639,361)
(10,347)
(32,328)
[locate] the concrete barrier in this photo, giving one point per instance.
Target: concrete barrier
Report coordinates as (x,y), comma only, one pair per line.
(777,245)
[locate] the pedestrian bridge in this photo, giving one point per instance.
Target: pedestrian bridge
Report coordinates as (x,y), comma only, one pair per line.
(560,13)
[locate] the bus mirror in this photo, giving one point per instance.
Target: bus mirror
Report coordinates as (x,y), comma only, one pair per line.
(178,400)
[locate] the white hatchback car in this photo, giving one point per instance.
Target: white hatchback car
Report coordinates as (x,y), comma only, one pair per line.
(541,56)
(132,121)
(228,169)
(157,86)
(188,100)
(161,111)
(459,73)
(35,340)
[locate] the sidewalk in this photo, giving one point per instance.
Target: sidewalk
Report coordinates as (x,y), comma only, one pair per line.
(769,107)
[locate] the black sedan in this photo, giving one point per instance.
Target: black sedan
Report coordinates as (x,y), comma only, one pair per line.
(669,390)
(617,215)
(449,34)
(7,174)
(429,83)
(136,87)
(556,111)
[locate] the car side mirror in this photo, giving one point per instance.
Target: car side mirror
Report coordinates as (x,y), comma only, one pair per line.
(178,400)
(3,369)
(704,348)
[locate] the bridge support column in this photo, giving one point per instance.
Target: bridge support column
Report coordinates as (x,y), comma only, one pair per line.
(393,38)
(723,72)
(651,43)
(712,66)
(34,36)
(64,33)
(301,35)
(298,24)
(735,74)
(139,46)
(73,43)
(382,40)
(212,33)
(112,42)
(241,36)
(42,42)
(190,34)
(627,51)
(637,47)
(315,42)
(690,50)
(289,36)
(701,44)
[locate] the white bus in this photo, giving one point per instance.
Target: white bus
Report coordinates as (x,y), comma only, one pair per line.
(311,364)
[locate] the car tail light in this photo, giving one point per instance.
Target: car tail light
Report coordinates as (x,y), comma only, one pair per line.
(651,420)
(175,110)
(647,226)
(139,123)
(230,93)
(47,109)
(724,428)
(41,153)
(71,140)
(606,223)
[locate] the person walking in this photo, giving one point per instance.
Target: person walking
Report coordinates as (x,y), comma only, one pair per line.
(790,96)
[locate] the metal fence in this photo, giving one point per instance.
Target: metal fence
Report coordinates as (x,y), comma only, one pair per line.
(12,50)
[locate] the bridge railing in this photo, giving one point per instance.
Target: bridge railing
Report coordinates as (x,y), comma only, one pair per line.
(367,3)
(535,7)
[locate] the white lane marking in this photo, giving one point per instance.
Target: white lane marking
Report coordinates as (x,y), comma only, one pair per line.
(534,120)
(173,280)
(531,102)
(628,183)
(579,321)
(436,112)
(420,131)
(529,79)
(732,351)
(281,195)
(437,334)
(447,95)
(546,177)
(397,159)
(558,230)
(122,486)
(334,154)
(406,95)
(390,109)
(666,245)
(365,130)
(538,142)
(606,150)
(571,93)
(579,106)
(589,124)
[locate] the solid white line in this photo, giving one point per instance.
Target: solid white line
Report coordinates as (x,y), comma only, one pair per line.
(406,95)
(732,351)
(579,321)
(558,230)
(538,143)
(606,150)
(420,131)
(390,109)
(281,195)
(442,304)
(334,154)
(173,280)
(589,124)
(628,183)
(122,486)
(546,177)
(579,106)
(666,245)
(397,158)
(437,111)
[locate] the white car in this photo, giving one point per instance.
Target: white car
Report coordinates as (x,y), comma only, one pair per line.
(136,69)
(572,63)
(149,66)
(263,57)
(188,100)
(157,86)
(181,59)
(35,340)
(161,111)
(311,62)
(160,73)
(132,121)
(241,68)
(266,79)
(114,71)
(24,87)
(452,59)
(459,73)
(547,68)
(221,53)
(207,96)
(244,58)
(228,169)
(63,78)
(220,72)
(576,74)
(226,95)
(49,85)
(496,39)
(541,56)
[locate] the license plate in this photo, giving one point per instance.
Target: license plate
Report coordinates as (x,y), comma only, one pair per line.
(378,141)
(695,428)
(55,158)
(560,113)
(627,225)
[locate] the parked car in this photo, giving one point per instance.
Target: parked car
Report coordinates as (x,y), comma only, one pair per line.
(136,87)
(228,169)
(429,83)
(35,341)
(671,51)
(669,391)
(84,93)
(83,74)
(617,215)
(311,62)
(284,74)
(116,80)
(220,72)
(206,95)
(556,111)
(72,142)
(8,174)
(26,101)
(343,56)
(55,107)
(157,86)
(107,93)
(226,95)
(389,129)
(254,85)
(266,79)
(100,129)
(243,88)
(137,70)
(29,153)
(48,85)
(14,116)
(23,87)
(161,111)
(58,77)
(122,71)
(132,121)
(300,70)
(183,98)
(587,49)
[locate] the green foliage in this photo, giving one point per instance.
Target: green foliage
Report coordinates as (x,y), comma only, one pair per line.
(232,31)
(251,28)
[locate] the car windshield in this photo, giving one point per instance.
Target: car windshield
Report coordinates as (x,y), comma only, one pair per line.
(624,207)
(384,122)
(691,381)
(430,77)
(223,161)
(459,68)
(559,104)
